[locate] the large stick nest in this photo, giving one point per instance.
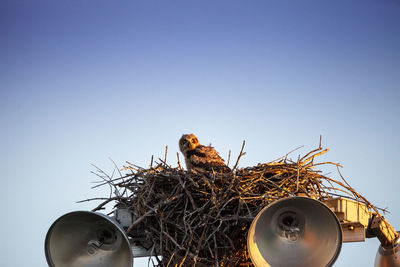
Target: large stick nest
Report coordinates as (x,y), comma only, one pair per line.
(202,219)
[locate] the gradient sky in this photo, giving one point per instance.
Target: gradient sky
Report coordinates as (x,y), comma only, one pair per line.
(85,81)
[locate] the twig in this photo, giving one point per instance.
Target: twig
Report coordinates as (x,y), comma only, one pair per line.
(179,163)
(240,155)
(165,156)
(101,205)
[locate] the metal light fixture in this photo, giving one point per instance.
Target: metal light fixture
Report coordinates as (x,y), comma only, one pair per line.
(295,231)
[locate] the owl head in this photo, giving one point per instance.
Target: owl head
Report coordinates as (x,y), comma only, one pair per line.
(188,142)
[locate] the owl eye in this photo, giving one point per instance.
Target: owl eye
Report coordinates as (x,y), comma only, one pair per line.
(193,141)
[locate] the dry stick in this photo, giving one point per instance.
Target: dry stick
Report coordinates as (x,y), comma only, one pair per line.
(240,155)
(120,176)
(165,157)
(134,165)
(164,163)
(179,163)
(102,177)
(341,176)
(170,259)
(99,207)
(322,163)
(338,189)
(304,160)
(284,157)
(116,167)
(310,153)
(90,199)
(320,141)
(112,180)
(229,158)
(100,171)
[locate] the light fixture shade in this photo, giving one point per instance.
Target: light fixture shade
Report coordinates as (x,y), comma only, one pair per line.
(388,257)
(87,239)
(295,231)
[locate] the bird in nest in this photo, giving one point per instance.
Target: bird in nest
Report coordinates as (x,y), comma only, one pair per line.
(201,158)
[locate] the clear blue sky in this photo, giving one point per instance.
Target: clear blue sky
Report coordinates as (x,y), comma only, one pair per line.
(82,81)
